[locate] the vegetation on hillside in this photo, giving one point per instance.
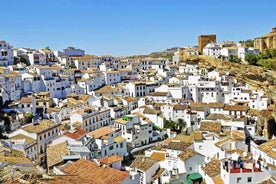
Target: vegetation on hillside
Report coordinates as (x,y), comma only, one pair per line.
(266,59)
(247,43)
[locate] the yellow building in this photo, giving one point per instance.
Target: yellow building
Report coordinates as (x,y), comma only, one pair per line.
(267,41)
(203,40)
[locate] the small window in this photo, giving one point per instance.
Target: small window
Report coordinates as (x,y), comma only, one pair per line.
(239,180)
(249,179)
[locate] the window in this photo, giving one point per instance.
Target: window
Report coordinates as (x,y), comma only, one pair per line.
(249,179)
(239,180)
(111,147)
(190,168)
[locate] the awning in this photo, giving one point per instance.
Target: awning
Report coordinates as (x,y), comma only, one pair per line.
(194,176)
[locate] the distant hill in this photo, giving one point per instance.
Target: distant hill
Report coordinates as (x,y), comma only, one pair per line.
(168,53)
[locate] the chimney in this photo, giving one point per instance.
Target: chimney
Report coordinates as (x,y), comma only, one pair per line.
(274,29)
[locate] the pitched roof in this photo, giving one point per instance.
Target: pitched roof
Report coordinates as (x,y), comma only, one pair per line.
(119,139)
(235,108)
(76,134)
(110,159)
(43,125)
(188,153)
(210,126)
(269,148)
(212,168)
(26,100)
(142,163)
(178,145)
(253,112)
(158,156)
(217,180)
(54,153)
(159,172)
(216,105)
(216,116)
(28,139)
(158,94)
(90,170)
(101,132)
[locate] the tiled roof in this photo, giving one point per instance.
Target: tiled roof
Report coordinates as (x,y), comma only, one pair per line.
(180,107)
(107,89)
(217,180)
(120,121)
(54,153)
(119,139)
(210,126)
(130,98)
(28,139)
(269,148)
(26,100)
(178,145)
(158,94)
(235,108)
(186,154)
(76,134)
(216,116)
(198,104)
(43,125)
(151,111)
(224,140)
(158,156)
(267,181)
(159,172)
(98,175)
(212,168)
(142,163)
(101,132)
(14,160)
(216,105)
(110,159)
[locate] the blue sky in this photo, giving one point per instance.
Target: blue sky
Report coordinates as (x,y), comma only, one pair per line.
(128,27)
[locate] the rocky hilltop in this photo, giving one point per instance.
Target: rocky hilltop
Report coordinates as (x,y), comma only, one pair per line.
(257,77)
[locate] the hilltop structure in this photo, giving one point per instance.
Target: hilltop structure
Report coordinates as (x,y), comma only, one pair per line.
(267,41)
(203,40)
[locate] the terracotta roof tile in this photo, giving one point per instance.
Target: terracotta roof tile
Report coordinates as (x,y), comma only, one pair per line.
(188,153)
(269,148)
(210,126)
(43,125)
(159,172)
(29,140)
(76,134)
(216,105)
(54,153)
(217,180)
(90,170)
(142,163)
(178,145)
(158,156)
(212,168)
(235,108)
(110,159)
(101,132)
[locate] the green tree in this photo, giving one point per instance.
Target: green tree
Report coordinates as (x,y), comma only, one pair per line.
(28,117)
(247,43)
(266,54)
(234,59)
(252,58)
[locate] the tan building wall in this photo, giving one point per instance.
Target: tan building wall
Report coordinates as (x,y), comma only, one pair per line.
(267,41)
(203,40)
